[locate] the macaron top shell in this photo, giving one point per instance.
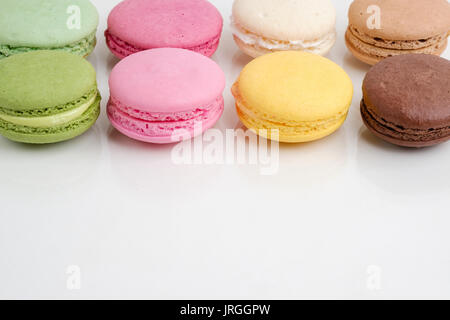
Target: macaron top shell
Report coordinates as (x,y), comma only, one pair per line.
(403,19)
(166,80)
(287,20)
(45,23)
(44,79)
(295,85)
(165,23)
(411,91)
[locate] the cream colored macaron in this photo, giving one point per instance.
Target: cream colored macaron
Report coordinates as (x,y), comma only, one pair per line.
(265,26)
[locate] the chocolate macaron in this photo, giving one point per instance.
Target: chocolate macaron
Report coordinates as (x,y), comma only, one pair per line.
(406,100)
(385,28)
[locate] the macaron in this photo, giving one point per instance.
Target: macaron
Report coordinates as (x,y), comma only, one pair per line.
(264,26)
(165,95)
(47,96)
(406,100)
(386,28)
(296,95)
(137,25)
(65,25)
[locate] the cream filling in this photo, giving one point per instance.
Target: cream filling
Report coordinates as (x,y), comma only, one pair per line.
(312,46)
(50,121)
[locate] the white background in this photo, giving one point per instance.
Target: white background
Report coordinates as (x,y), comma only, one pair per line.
(139,226)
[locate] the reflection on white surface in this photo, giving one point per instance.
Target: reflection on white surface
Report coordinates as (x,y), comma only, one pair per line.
(52,165)
(403,171)
(139,226)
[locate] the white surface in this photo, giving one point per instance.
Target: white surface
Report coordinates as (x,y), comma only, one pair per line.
(139,226)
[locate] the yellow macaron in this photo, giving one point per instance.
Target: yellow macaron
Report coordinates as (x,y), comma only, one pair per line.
(293,96)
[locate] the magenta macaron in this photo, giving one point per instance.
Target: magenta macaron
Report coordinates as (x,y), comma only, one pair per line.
(137,25)
(165,95)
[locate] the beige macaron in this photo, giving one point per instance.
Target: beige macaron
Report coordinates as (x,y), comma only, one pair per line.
(385,28)
(265,26)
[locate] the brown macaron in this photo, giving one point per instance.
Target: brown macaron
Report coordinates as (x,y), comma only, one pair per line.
(406,100)
(385,28)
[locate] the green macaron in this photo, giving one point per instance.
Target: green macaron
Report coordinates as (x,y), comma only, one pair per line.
(47,96)
(67,25)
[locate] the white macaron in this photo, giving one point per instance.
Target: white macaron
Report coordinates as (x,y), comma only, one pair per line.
(265,26)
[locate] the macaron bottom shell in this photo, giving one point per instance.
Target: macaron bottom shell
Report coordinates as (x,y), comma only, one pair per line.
(398,136)
(82,48)
(272,131)
(166,131)
(371,55)
(55,134)
(122,49)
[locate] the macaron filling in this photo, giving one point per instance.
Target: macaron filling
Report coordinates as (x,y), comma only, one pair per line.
(162,124)
(89,116)
(51,110)
(123,49)
(50,121)
(81,48)
(258,41)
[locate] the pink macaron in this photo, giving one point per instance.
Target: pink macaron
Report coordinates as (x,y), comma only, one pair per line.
(165,95)
(138,25)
